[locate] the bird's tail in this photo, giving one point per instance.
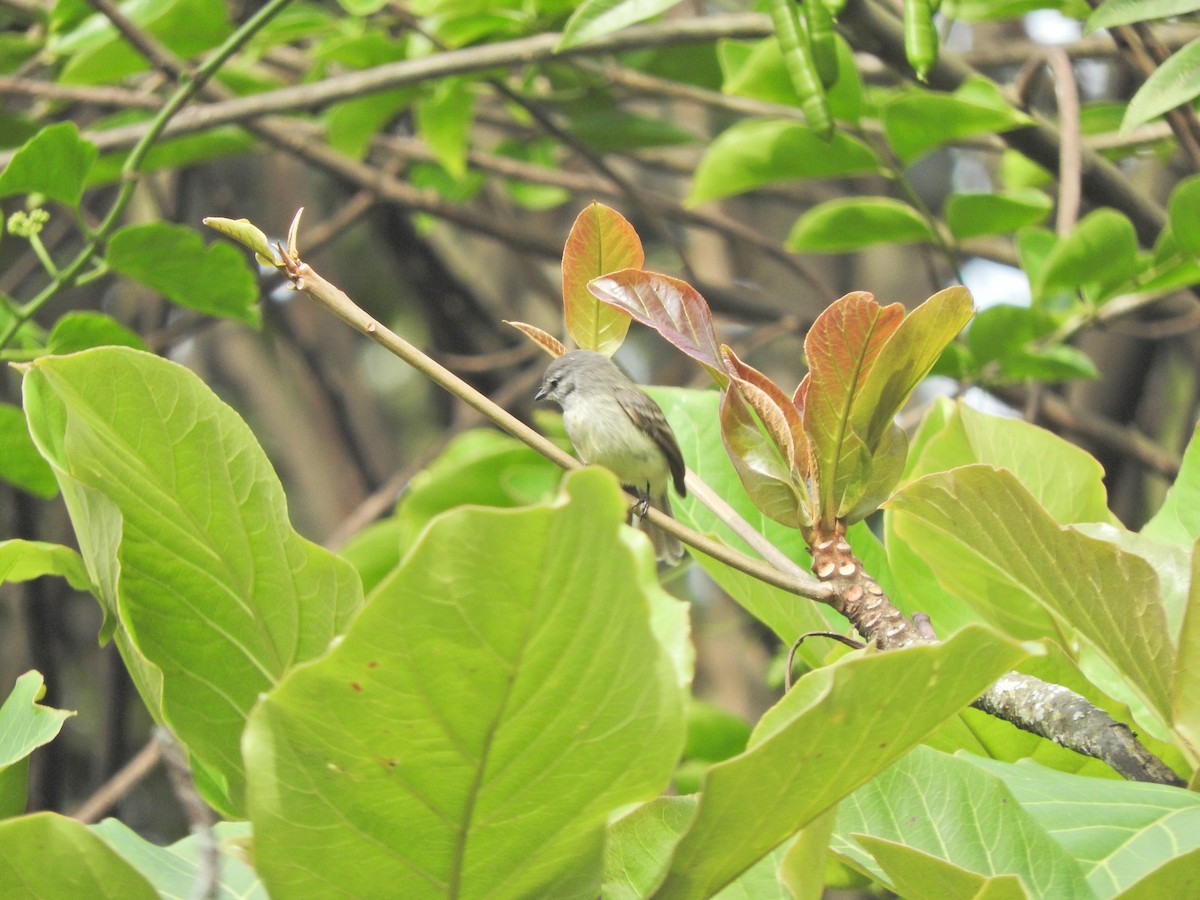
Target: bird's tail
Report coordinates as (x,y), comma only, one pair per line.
(667,547)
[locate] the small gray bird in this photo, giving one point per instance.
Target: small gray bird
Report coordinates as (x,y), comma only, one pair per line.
(614,423)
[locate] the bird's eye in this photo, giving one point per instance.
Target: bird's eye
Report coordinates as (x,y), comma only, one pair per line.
(553,383)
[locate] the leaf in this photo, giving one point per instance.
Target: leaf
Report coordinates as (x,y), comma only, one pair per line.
(918,121)
(988,540)
(974,215)
(596,18)
(1185,685)
(849,224)
(774,408)
(798,765)
(670,306)
(48,855)
(1009,336)
(1178,519)
(54,162)
(842,347)
(494,722)
(913,873)
(183,526)
(174,870)
(351,124)
(25,725)
(444,118)
(947,809)
(84,329)
(1184,209)
(20,463)
(1100,250)
(22,560)
(756,152)
(547,342)
(639,844)
(173,260)
(96,54)
(246,233)
(1119,832)
(1125,12)
(1174,83)
(600,241)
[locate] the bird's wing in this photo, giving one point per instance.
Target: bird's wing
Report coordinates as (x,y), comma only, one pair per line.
(647,415)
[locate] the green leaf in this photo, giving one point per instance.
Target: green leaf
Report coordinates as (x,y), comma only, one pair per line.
(798,766)
(484,714)
(596,18)
(174,871)
(601,241)
(96,54)
(48,855)
(1185,689)
(84,329)
(918,121)
(1178,519)
(757,71)
(54,162)
(754,152)
(1174,83)
(25,725)
(913,873)
(947,809)
(1120,832)
(351,124)
(20,463)
(1125,12)
(1100,251)
(183,525)
(173,260)
(175,153)
(849,224)
(640,843)
(973,215)
(1009,336)
(1184,208)
(444,118)
(22,560)
(613,130)
(989,541)
(362,7)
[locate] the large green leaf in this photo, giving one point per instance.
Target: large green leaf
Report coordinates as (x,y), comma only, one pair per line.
(755,152)
(174,870)
(54,162)
(444,116)
(837,728)
(46,855)
(917,121)
(600,241)
(988,539)
(1185,689)
(84,329)
(948,809)
(1178,519)
(519,677)
(173,260)
(25,725)
(1184,208)
(1174,83)
(183,526)
(20,463)
(1100,251)
(849,224)
(972,215)
(1120,832)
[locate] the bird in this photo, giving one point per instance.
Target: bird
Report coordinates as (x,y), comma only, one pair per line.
(614,423)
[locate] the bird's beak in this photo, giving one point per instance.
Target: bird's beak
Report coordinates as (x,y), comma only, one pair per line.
(541,393)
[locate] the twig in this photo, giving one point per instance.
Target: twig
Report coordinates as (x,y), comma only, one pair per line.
(791,657)
(107,795)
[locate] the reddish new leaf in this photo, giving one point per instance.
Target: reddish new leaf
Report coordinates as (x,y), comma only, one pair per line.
(671,307)
(842,347)
(764,473)
(776,410)
(547,342)
(601,241)
(906,359)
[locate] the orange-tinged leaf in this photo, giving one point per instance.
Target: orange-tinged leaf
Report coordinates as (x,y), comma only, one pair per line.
(764,472)
(547,342)
(842,347)
(776,410)
(906,359)
(671,307)
(601,241)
